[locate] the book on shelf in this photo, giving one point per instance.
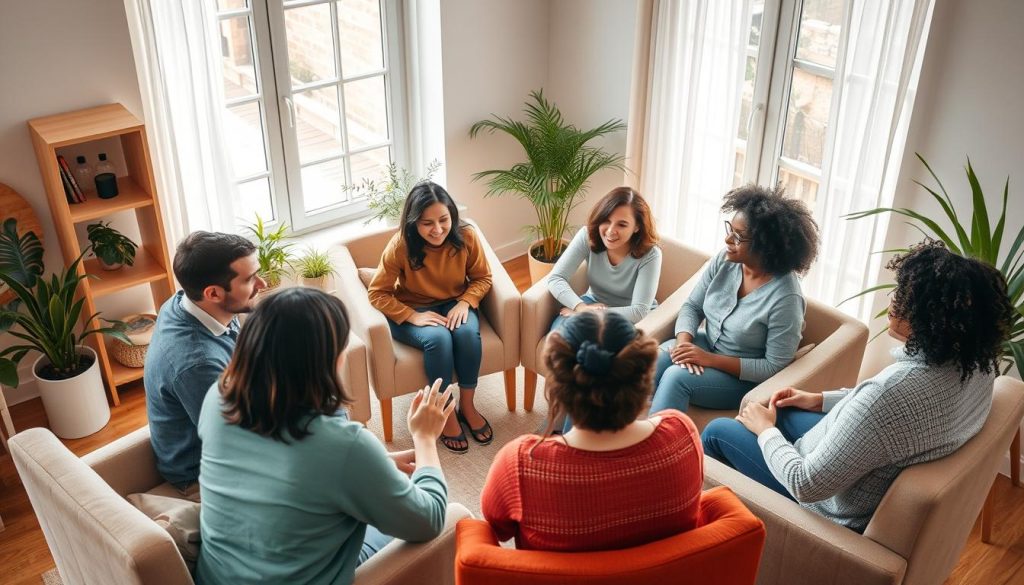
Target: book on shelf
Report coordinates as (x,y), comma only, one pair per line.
(69,192)
(65,169)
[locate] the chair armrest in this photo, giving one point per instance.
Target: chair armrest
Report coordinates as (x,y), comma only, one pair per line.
(661,322)
(127,465)
(803,547)
(501,305)
(539,309)
(401,562)
(368,323)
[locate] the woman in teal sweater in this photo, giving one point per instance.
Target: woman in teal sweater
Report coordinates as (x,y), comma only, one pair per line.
(292,491)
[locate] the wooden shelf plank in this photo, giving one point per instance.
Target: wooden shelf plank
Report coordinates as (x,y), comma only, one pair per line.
(130,196)
(85,125)
(146,269)
(124,374)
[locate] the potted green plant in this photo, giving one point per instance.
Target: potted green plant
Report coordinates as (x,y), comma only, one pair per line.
(386,196)
(555,175)
(272,252)
(980,239)
(113,249)
(314,267)
(47,316)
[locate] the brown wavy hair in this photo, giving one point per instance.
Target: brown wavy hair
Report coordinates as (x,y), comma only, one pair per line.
(643,240)
(284,372)
(601,370)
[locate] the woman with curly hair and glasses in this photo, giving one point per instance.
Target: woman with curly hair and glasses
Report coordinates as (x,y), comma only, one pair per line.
(613,481)
(749,300)
(838,452)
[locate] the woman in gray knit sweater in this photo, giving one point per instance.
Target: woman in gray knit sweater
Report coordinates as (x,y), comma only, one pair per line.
(838,452)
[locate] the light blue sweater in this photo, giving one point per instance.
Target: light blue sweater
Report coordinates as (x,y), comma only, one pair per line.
(296,512)
(627,288)
(763,329)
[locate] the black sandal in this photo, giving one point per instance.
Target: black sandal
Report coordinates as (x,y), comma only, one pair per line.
(483,435)
(451,442)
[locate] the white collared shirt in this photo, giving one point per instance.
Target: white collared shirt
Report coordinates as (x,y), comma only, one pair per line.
(215,327)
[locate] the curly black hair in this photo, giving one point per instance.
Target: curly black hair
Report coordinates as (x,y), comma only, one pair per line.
(958,308)
(783,233)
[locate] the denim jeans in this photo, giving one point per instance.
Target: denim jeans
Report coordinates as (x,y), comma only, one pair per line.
(445,351)
(372,543)
(677,387)
(727,440)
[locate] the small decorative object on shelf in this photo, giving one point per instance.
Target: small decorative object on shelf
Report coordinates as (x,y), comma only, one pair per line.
(106,185)
(139,329)
(314,267)
(386,197)
(84,172)
(112,248)
(272,253)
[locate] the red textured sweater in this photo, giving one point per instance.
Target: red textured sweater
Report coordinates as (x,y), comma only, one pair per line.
(560,498)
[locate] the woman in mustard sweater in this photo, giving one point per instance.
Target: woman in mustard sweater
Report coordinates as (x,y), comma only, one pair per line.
(431,279)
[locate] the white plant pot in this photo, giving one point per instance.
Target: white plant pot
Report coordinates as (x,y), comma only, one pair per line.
(76,407)
(320,282)
(115,266)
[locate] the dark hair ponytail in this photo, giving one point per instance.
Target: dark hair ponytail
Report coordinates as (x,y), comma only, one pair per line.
(423,195)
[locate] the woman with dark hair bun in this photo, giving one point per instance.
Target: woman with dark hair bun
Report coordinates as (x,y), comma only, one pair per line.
(838,452)
(749,300)
(612,481)
(292,490)
(429,284)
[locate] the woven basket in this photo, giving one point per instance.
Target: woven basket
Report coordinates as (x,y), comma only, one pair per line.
(140,329)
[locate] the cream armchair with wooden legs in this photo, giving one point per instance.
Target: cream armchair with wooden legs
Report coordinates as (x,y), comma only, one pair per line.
(679,264)
(396,368)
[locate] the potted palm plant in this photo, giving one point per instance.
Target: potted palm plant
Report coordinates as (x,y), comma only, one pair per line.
(47,316)
(113,249)
(386,197)
(314,267)
(980,239)
(272,252)
(555,176)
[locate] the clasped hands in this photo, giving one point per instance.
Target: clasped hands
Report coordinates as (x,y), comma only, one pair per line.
(757,417)
(582,308)
(456,317)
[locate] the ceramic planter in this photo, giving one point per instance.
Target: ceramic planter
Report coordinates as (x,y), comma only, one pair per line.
(319,282)
(538,269)
(116,266)
(76,407)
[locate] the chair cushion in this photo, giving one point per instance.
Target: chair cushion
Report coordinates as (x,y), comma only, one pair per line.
(366,275)
(178,516)
(803,350)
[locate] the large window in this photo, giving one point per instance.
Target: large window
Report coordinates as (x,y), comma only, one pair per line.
(313,102)
(793,50)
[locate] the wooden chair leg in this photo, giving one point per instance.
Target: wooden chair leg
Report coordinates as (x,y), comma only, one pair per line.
(510,389)
(1015,459)
(986,516)
(529,388)
(385,419)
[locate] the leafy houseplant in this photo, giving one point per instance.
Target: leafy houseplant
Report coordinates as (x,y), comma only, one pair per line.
(111,246)
(558,167)
(386,197)
(982,241)
(272,253)
(314,267)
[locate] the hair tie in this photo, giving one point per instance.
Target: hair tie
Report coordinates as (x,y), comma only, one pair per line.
(594,360)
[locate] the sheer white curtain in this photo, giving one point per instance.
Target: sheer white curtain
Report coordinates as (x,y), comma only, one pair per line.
(423,76)
(685,106)
(877,90)
(177,57)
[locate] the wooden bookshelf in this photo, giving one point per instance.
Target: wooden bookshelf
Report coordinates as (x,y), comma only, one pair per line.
(137,191)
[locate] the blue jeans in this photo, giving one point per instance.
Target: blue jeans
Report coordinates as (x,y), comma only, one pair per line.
(677,387)
(444,350)
(727,440)
(372,543)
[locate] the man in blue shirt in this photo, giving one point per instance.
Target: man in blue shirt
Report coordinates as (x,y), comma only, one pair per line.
(192,344)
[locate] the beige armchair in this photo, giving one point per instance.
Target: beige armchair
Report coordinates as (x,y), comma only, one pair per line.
(396,368)
(833,363)
(96,536)
(918,531)
(679,264)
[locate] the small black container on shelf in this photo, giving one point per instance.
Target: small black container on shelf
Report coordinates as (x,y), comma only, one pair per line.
(106,185)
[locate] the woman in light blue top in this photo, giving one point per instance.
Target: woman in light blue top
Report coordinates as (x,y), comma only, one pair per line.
(292,491)
(749,300)
(620,246)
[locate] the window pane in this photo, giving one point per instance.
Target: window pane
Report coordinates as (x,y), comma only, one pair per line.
(366,112)
(238,66)
(820,24)
(371,164)
(310,43)
(362,44)
(254,197)
(319,124)
(244,133)
(810,99)
(224,5)
(747,93)
(799,186)
(322,184)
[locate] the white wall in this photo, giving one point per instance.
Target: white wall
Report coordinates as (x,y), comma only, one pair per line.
(968,104)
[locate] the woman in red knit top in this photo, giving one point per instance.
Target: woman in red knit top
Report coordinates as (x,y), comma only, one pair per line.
(612,481)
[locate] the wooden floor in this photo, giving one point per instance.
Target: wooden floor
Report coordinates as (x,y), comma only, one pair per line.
(24,555)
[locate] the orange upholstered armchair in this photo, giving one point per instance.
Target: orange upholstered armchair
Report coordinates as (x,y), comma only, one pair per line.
(724,550)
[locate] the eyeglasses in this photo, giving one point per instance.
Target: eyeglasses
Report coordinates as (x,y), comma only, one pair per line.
(733,235)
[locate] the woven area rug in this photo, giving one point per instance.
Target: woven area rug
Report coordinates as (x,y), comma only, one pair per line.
(51,577)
